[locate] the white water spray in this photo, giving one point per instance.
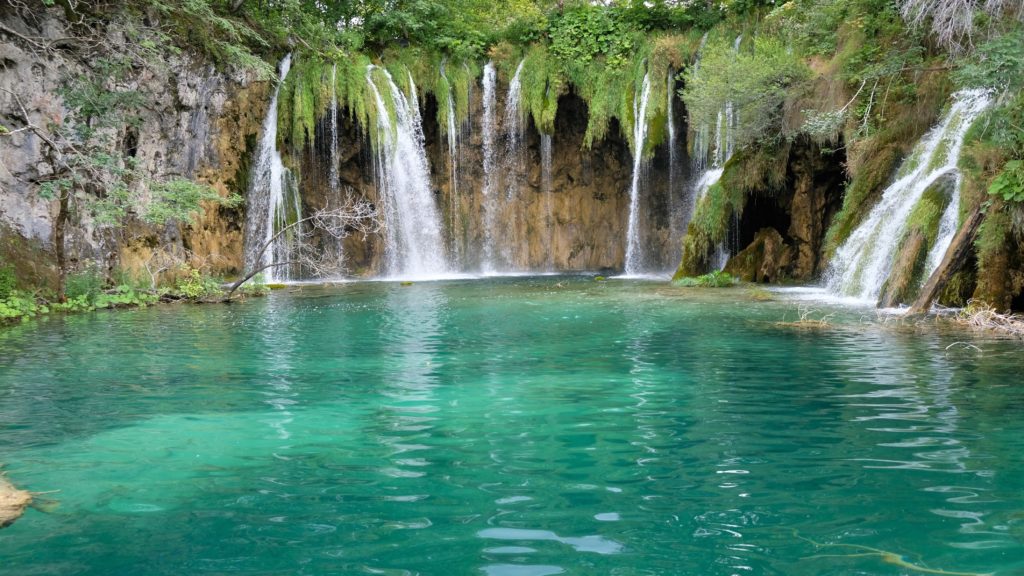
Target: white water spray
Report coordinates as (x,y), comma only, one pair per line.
(273,200)
(413,231)
(490,203)
(634,255)
(862,264)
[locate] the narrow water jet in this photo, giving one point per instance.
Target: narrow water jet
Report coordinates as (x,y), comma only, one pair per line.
(414,241)
(334,176)
(489,205)
(634,251)
(513,254)
(546,152)
(273,201)
(863,263)
(455,230)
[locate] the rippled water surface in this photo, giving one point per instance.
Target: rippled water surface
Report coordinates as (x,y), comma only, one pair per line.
(515,427)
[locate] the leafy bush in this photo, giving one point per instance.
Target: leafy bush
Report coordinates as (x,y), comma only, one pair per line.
(1009,184)
(754,83)
(195,285)
(19,306)
(581,34)
(7,281)
(996,64)
(718,279)
(87,284)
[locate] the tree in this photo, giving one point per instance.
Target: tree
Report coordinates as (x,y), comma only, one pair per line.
(354,215)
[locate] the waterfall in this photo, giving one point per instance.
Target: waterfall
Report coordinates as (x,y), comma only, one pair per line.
(545,188)
(862,264)
(490,204)
(334,177)
(679,208)
(273,201)
(512,169)
(453,169)
(513,132)
(724,145)
(413,231)
(634,255)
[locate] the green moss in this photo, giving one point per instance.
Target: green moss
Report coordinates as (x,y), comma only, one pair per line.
(717,279)
(992,239)
(959,289)
(927,212)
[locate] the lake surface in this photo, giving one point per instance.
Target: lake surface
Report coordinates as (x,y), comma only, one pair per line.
(510,427)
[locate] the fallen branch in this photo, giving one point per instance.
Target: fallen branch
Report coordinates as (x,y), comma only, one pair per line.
(13,502)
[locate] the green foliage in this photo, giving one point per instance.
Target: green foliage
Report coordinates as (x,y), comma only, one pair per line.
(97,99)
(812,25)
(1009,184)
(585,32)
(8,281)
(996,64)
(19,306)
(754,82)
(86,284)
(990,242)
(194,285)
(180,200)
(207,25)
(717,279)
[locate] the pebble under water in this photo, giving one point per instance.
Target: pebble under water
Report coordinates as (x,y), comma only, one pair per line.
(510,427)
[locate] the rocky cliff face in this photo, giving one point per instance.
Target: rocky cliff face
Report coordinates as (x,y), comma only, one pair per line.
(195,122)
(572,218)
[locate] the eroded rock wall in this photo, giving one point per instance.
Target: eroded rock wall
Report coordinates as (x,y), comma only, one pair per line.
(195,122)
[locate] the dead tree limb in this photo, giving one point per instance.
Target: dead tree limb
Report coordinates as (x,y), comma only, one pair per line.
(338,223)
(954,259)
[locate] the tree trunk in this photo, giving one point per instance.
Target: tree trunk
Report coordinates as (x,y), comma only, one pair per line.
(955,257)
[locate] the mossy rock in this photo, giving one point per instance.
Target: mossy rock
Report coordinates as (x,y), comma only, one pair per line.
(276,286)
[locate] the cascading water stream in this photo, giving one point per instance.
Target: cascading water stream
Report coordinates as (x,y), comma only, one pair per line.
(546,154)
(334,177)
(273,201)
(489,207)
(453,169)
(862,264)
(634,255)
(415,245)
(512,169)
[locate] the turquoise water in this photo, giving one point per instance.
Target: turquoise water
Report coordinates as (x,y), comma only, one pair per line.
(515,427)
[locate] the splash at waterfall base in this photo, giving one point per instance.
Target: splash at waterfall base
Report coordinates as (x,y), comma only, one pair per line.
(560,206)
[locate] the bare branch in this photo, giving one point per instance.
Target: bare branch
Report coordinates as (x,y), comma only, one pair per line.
(353,215)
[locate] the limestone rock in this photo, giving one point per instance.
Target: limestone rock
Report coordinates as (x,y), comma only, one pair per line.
(765,260)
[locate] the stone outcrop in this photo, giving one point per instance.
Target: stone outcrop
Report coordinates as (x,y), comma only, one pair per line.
(765,260)
(196,122)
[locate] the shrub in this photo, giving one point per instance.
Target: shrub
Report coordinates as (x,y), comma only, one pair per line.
(7,281)
(86,284)
(195,285)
